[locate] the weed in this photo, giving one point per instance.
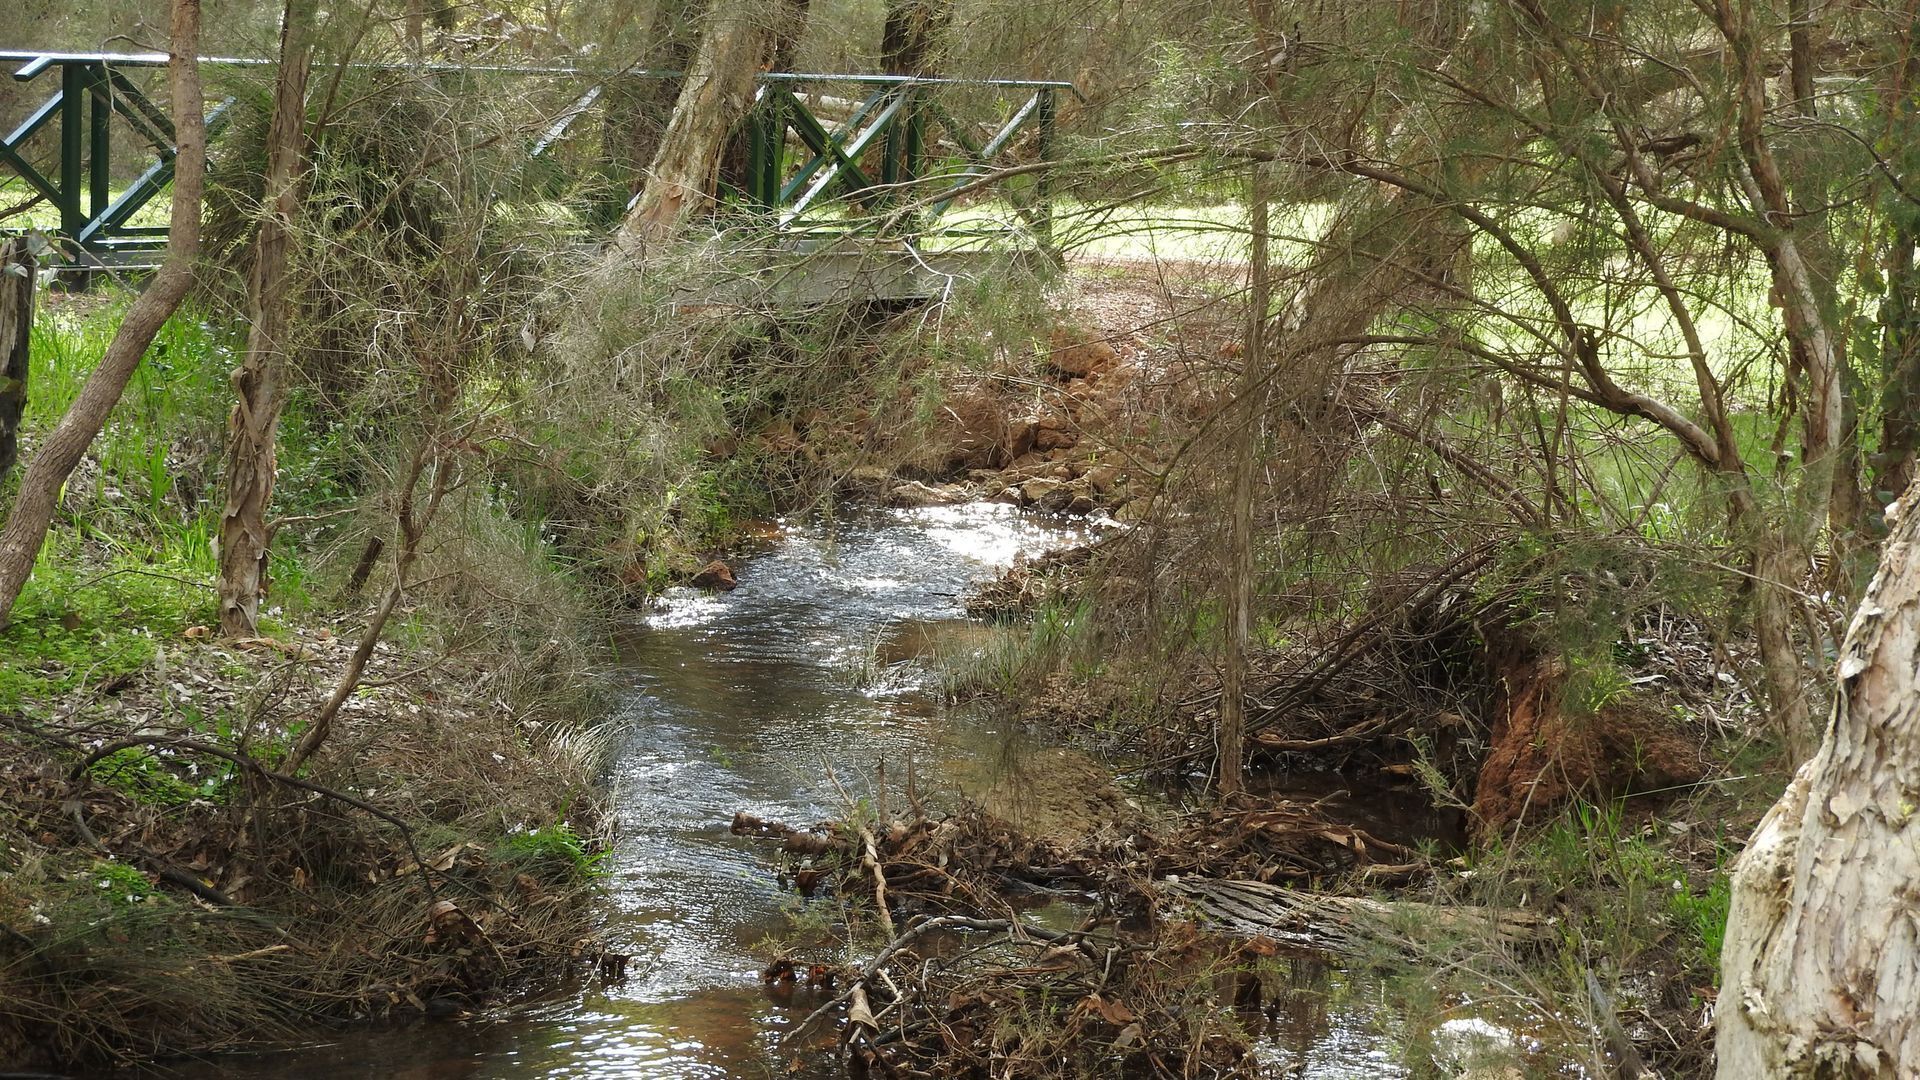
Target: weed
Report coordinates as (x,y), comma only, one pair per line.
(119,883)
(1703,916)
(555,851)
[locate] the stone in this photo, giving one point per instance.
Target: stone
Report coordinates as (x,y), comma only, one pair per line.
(1034,491)
(1020,436)
(1054,433)
(915,495)
(717,575)
(869,476)
(1074,355)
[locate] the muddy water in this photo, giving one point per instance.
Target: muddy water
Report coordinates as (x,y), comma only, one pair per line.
(756,700)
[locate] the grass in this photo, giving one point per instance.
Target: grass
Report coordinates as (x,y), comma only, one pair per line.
(556,851)
(1631,907)
(129,565)
(75,627)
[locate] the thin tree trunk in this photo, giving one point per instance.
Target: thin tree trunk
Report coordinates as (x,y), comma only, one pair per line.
(786,37)
(416,27)
(16,332)
(717,92)
(1820,973)
(1232,734)
(911,33)
(259,381)
(411,522)
(639,106)
(33,510)
(1899,366)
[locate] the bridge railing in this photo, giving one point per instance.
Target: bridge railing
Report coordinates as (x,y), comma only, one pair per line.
(817,152)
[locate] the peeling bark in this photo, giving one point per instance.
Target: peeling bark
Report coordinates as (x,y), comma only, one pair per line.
(259,381)
(1821,968)
(717,93)
(16,329)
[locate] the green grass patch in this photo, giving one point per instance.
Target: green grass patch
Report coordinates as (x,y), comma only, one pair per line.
(76,627)
(555,852)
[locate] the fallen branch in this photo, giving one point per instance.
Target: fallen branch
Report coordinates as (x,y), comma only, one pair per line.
(871,860)
(161,867)
(797,841)
(1026,931)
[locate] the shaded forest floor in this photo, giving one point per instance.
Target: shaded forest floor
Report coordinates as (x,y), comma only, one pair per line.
(167,890)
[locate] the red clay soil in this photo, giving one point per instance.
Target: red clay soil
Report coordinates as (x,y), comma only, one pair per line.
(1540,755)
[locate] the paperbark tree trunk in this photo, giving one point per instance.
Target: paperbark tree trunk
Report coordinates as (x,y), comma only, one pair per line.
(259,382)
(1231,736)
(1820,973)
(16,331)
(26,526)
(718,91)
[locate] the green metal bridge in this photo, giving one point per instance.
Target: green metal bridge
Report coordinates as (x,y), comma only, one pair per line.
(896,138)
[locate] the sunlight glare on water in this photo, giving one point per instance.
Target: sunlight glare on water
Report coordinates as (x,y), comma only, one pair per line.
(754,700)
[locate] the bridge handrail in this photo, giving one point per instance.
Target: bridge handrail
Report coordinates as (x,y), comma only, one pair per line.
(37,61)
(892,123)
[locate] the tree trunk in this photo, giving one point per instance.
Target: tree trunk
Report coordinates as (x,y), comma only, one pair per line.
(791,25)
(1821,968)
(911,33)
(16,332)
(717,92)
(1899,366)
(1248,404)
(415,28)
(259,381)
(639,106)
(26,526)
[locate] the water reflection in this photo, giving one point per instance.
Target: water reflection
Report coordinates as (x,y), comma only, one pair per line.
(748,700)
(752,700)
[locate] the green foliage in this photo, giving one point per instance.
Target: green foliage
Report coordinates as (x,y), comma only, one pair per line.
(72,628)
(555,851)
(153,778)
(121,885)
(136,772)
(1703,916)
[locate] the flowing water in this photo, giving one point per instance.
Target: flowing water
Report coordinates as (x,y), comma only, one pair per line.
(759,700)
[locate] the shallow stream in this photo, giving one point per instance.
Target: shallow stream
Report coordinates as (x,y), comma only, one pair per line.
(748,701)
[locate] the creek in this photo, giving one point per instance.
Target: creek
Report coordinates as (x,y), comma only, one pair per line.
(771,699)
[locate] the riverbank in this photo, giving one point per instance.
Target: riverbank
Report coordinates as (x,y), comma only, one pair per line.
(1580,705)
(169,889)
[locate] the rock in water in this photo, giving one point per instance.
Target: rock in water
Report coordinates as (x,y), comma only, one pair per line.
(915,495)
(717,575)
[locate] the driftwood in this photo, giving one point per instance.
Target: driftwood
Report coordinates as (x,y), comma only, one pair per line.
(797,841)
(1338,923)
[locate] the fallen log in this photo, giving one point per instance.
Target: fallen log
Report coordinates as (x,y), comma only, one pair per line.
(1339,923)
